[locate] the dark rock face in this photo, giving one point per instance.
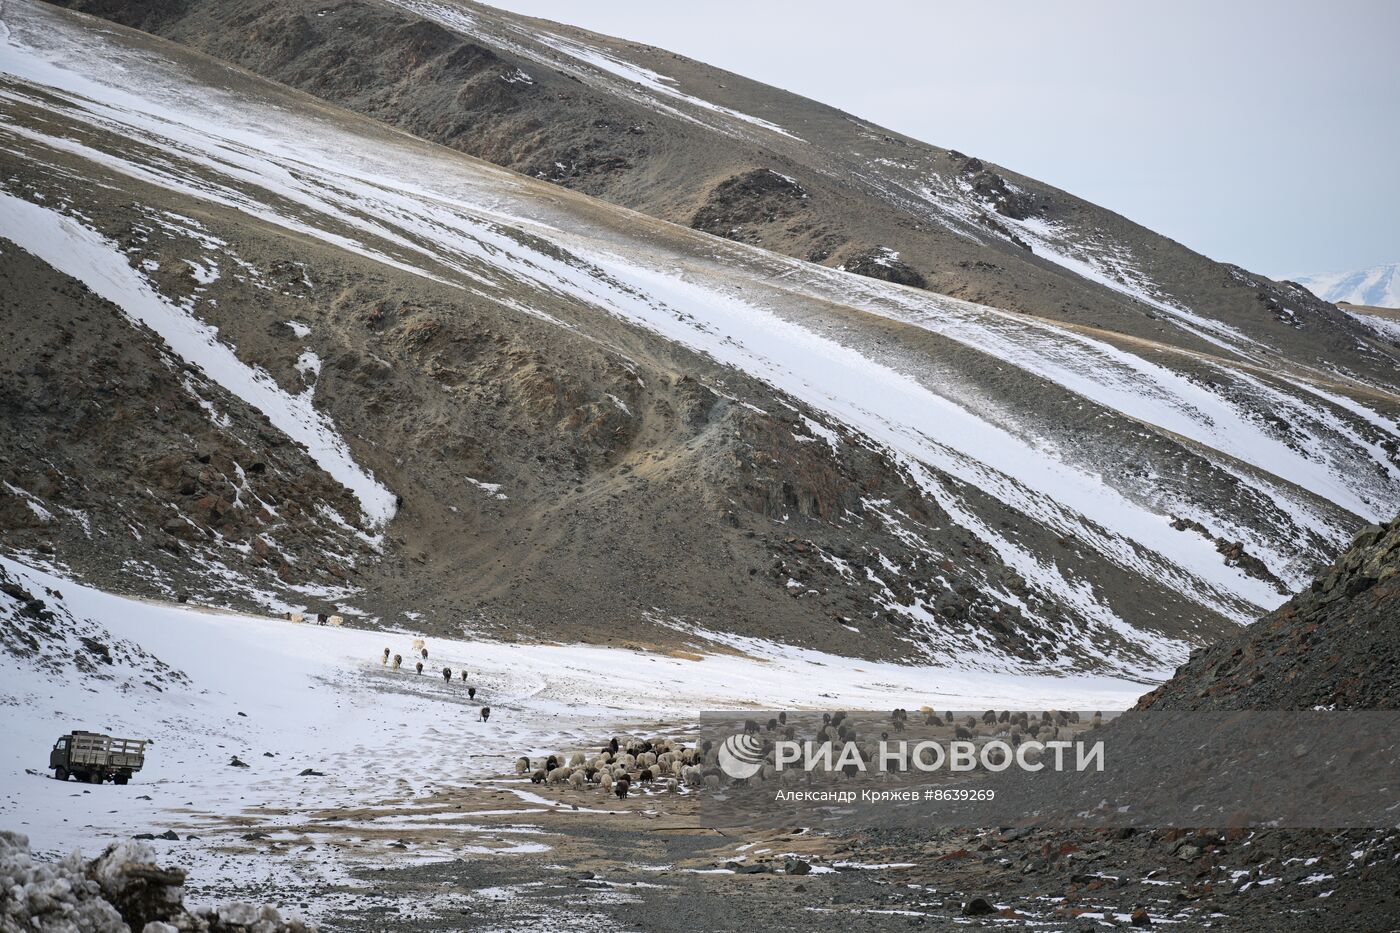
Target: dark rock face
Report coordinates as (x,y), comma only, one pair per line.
(1334,645)
(1234,553)
(881,262)
(1005,199)
(748,199)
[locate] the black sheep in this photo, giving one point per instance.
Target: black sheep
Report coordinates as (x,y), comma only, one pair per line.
(485,713)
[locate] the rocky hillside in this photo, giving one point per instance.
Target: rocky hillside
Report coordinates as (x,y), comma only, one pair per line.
(292,358)
(1335,645)
(677,139)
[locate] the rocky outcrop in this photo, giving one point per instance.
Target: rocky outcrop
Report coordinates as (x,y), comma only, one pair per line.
(122,889)
(881,262)
(1334,645)
(742,202)
(1003,197)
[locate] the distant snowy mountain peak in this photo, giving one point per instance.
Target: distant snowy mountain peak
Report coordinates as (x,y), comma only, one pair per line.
(1378,286)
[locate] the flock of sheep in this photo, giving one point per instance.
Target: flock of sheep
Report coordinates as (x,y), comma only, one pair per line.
(627,762)
(420,647)
(321,618)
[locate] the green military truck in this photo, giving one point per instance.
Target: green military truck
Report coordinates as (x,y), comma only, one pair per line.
(93,757)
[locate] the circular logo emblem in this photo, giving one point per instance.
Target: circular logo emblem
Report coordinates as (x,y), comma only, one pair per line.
(741,756)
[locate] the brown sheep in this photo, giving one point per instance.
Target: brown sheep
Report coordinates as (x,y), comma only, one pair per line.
(447,674)
(419,665)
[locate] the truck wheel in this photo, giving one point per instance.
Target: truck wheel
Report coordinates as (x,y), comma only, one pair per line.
(95,777)
(120,779)
(60,774)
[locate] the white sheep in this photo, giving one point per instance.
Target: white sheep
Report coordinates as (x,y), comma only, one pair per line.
(336,620)
(418,644)
(559,775)
(522,765)
(577,760)
(296,617)
(577,779)
(605,781)
(398,659)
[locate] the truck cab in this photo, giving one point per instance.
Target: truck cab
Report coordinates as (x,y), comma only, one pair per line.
(94,757)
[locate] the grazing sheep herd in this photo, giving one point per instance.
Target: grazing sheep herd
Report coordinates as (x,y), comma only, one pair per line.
(321,618)
(624,763)
(628,763)
(394,661)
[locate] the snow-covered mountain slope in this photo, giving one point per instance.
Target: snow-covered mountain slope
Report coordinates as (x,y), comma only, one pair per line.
(1378,286)
(672,137)
(210,687)
(599,424)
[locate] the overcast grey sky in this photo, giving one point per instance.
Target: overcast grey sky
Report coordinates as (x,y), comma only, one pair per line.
(1260,132)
